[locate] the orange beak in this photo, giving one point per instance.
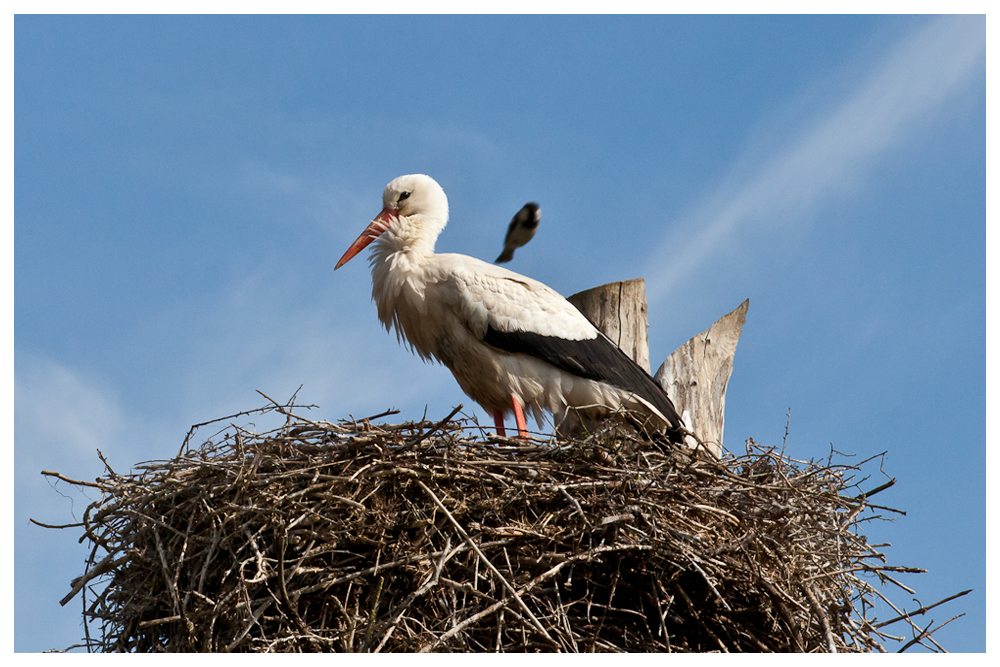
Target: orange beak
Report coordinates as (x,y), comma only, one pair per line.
(374,230)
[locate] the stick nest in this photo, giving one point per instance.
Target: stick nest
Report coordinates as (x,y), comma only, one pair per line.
(429,536)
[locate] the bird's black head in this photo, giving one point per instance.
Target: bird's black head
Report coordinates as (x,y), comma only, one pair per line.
(530,215)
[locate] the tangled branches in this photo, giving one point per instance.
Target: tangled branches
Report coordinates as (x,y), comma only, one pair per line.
(430,537)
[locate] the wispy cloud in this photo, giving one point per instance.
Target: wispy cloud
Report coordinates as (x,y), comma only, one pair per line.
(912,80)
(60,415)
(322,200)
(273,329)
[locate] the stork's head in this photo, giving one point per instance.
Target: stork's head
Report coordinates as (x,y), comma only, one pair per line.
(414,211)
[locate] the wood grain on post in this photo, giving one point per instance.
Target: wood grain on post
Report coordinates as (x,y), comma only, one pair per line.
(619,310)
(696,375)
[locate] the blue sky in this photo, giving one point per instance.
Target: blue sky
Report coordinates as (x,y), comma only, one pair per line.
(184,185)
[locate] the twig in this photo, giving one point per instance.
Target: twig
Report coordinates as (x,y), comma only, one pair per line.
(493,608)
(877,489)
(926,632)
(76,482)
(576,505)
(65,525)
(416,441)
(195,427)
(506,584)
(821,615)
(710,584)
(107,564)
(285,410)
(390,411)
(922,610)
(784,440)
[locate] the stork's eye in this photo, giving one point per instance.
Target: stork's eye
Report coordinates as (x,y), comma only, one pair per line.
(404,195)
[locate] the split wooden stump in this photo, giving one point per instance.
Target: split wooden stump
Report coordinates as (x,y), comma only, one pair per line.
(695,375)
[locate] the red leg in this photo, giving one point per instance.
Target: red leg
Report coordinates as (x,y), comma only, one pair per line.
(522,426)
(498,420)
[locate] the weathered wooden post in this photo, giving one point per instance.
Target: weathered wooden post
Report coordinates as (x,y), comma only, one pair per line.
(619,310)
(695,376)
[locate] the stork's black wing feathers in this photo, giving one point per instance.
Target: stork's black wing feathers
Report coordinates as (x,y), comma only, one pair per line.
(595,359)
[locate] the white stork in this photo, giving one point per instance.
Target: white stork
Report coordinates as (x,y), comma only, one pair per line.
(510,341)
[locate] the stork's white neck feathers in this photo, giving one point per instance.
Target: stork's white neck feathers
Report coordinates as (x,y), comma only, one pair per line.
(418,212)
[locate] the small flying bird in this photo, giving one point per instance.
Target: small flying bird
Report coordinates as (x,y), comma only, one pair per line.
(512,343)
(522,229)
